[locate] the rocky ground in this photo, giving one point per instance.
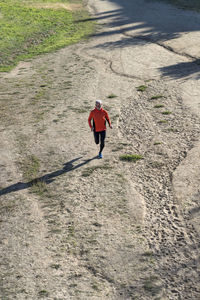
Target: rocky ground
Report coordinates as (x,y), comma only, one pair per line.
(73,226)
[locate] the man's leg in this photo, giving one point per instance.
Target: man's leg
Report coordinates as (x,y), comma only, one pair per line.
(96,137)
(102,144)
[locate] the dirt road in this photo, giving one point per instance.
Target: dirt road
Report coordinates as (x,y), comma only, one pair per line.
(73,226)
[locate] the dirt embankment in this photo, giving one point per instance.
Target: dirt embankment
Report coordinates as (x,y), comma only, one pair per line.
(73,226)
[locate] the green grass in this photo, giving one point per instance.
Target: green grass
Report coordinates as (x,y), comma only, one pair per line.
(141,88)
(162,122)
(112,96)
(131,157)
(167,112)
(27,31)
(40,188)
(158,106)
(43,293)
(157,143)
(30,167)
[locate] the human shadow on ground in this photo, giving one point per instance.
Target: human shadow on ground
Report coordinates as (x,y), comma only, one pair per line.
(47,178)
(141,22)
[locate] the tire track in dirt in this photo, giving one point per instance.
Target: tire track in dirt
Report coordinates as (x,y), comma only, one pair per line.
(173,241)
(174,222)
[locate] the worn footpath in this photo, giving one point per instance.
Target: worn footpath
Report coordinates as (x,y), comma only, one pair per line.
(73,226)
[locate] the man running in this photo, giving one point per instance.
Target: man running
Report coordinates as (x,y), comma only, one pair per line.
(99,117)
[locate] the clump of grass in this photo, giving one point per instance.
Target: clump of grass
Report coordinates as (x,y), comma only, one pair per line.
(78,110)
(88,171)
(71,230)
(43,293)
(118,148)
(156,97)
(158,105)
(157,143)
(112,96)
(156,164)
(172,130)
(55,266)
(166,112)
(131,157)
(95,286)
(162,122)
(39,187)
(39,95)
(151,285)
(141,88)
(148,254)
(47,29)
(30,167)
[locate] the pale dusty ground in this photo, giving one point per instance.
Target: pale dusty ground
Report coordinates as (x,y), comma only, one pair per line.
(105,229)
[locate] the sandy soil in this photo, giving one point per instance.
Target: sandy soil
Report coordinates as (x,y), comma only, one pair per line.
(83,228)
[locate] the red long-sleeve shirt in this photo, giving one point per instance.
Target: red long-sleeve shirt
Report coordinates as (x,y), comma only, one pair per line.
(99,117)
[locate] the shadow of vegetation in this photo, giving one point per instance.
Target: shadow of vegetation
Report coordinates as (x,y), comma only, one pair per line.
(143,22)
(47,178)
(181,70)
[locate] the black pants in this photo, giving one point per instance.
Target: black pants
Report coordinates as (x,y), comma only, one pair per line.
(100,136)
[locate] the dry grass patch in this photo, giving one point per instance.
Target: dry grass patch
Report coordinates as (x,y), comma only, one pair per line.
(131,157)
(88,171)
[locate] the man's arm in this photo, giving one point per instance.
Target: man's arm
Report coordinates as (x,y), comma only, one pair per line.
(108,119)
(90,119)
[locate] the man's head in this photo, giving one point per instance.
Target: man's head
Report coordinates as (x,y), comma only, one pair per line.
(98,104)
